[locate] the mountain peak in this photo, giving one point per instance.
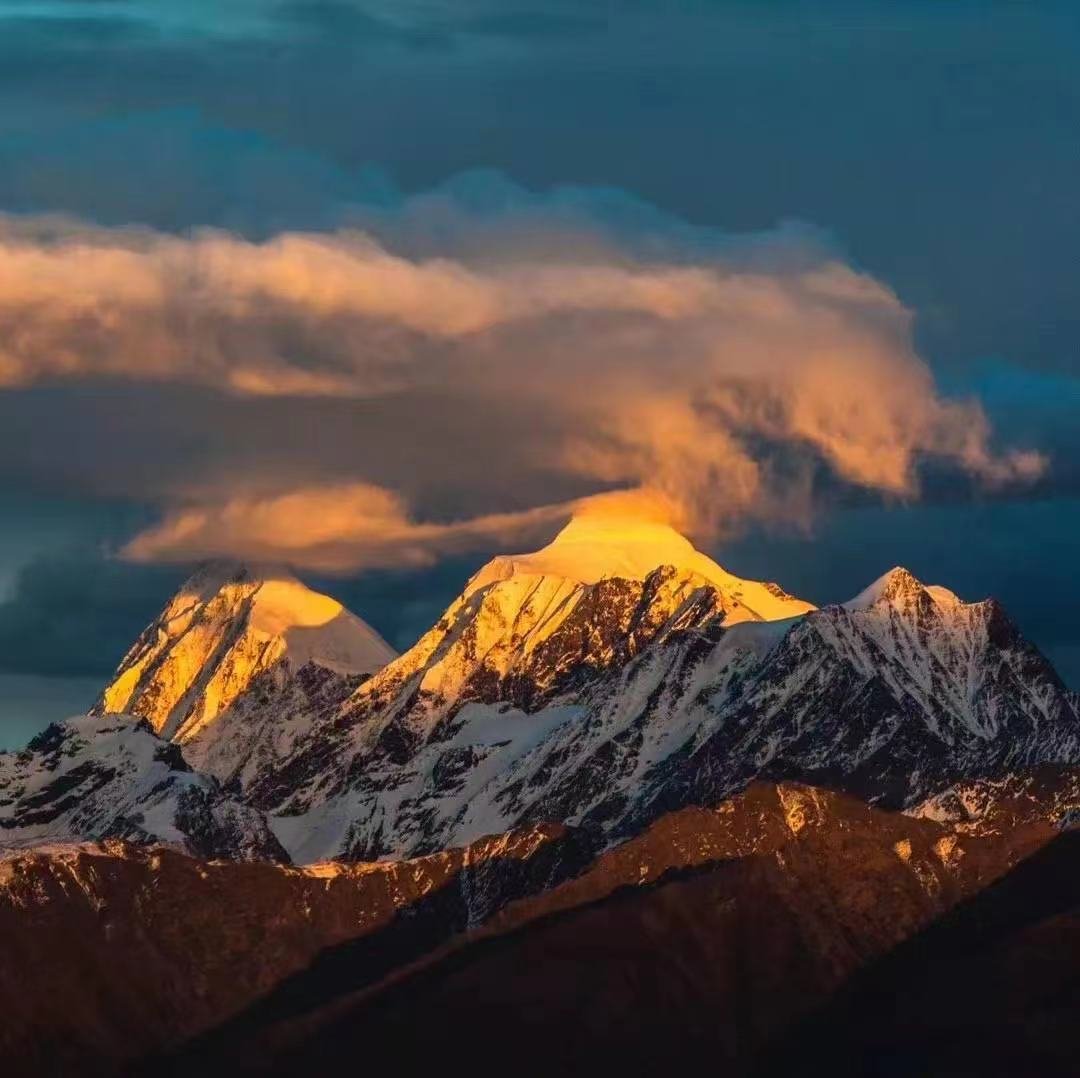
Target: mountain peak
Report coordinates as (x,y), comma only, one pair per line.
(590,548)
(594,547)
(273,602)
(227,624)
(898,587)
(212,576)
(110,776)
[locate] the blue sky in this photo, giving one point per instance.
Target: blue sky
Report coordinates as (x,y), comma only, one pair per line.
(932,147)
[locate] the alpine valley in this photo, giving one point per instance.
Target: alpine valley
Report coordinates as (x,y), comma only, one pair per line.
(617,802)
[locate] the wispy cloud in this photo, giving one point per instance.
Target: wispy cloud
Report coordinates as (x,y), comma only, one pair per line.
(329,529)
(726,375)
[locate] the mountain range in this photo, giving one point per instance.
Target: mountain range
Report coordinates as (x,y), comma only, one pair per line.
(612,711)
(610,677)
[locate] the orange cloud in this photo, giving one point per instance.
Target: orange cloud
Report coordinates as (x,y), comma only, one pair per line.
(721,382)
(296,314)
(360,526)
(331,529)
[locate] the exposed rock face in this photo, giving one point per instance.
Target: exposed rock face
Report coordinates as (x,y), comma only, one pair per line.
(112,952)
(238,663)
(555,689)
(534,635)
(703,938)
(488,669)
(605,705)
(1012,800)
(111,777)
(894,696)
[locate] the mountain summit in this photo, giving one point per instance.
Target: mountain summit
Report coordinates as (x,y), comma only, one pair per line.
(528,626)
(530,638)
(898,588)
(610,677)
(592,548)
(231,636)
(553,690)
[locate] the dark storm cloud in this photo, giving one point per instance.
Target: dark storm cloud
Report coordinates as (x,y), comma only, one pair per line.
(344,21)
(171,169)
(136,442)
(56,32)
(66,608)
(539,24)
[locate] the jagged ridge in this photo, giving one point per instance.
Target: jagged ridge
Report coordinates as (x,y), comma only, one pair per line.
(895,696)
(238,662)
(111,777)
(604,701)
(121,950)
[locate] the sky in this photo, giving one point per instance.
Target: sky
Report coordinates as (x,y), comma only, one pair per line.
(380,289)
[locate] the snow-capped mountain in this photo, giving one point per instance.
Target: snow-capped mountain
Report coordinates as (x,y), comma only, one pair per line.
(594,548)
(604,704)
(894,696)
(530,634)
(112,777)
(237,664)
(608,678)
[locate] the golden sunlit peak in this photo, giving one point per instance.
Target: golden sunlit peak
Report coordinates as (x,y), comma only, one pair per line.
(608,535)
(278,601)
(594,546)
(629,536)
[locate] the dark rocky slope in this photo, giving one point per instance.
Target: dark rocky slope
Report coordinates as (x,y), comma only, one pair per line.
(114,951)
(991,989)
(711,933)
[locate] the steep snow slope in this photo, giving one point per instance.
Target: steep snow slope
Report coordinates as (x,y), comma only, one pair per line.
(112,777)
(528,631)
(579,685)
(236,664)
(527,626)
(895,696)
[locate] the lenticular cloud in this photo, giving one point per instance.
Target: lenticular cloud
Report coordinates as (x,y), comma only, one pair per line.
(723,377)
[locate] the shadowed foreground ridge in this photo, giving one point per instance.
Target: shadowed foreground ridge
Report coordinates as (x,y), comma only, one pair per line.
(992,988)
(115,951)
(711,932)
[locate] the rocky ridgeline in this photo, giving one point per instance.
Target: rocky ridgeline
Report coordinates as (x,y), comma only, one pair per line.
(550,690)
(117,952)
